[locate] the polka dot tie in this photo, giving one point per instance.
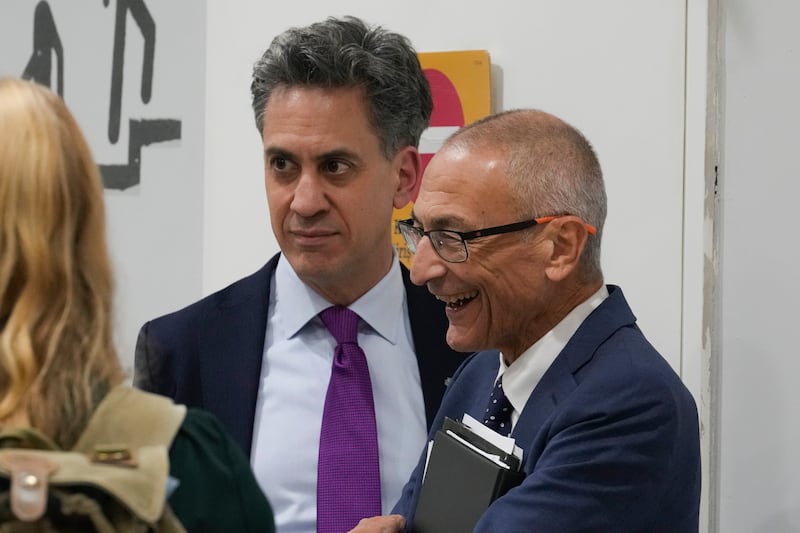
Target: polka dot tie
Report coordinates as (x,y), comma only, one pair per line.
(348,474)
(498,410)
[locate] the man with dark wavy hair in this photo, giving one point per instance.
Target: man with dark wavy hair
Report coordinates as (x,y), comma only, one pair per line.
(340,107)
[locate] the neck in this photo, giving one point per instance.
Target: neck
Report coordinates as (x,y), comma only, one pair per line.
(567,298)
(345,289)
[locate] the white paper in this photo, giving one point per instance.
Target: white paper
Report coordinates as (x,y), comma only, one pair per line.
(507,444)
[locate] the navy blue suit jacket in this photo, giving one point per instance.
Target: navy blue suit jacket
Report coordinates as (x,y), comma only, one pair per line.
(209,354)
(610,436)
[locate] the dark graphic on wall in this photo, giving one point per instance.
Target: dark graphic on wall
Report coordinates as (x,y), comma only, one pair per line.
(46,42)
(148,29)
(141,132)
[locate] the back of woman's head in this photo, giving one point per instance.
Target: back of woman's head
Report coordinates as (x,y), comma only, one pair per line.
(56,288)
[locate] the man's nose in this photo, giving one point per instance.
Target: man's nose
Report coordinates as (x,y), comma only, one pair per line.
(309,195)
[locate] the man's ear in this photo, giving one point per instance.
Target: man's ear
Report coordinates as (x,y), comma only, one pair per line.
(568,235)
(409,172)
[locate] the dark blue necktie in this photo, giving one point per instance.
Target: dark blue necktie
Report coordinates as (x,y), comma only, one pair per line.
(498,410)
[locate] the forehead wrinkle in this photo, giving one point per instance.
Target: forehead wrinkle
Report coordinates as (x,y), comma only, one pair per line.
(441,210)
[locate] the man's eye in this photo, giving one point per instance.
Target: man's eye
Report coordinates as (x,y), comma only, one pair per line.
(279,163)
(335,166)
(448,239)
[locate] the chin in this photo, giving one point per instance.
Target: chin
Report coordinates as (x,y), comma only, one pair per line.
(460,343)
(312,264)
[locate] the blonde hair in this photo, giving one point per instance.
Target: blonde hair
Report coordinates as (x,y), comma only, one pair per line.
(57,357)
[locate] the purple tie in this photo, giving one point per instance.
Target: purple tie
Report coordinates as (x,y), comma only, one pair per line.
(348,475)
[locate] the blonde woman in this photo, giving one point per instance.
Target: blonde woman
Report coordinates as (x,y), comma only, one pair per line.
(57,356)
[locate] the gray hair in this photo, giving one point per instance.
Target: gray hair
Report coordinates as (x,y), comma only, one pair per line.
(551,167)
(343,53)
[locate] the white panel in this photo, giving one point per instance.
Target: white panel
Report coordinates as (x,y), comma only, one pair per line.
(759,423)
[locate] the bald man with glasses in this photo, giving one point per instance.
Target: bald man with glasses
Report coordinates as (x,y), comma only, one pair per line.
(609,432)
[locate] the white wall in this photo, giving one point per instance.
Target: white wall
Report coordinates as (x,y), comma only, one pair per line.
(759,489)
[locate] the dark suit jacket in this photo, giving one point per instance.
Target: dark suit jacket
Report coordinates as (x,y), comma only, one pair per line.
(209,354)
(610,436)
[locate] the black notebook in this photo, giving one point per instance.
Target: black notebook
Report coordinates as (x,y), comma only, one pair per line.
(460,483)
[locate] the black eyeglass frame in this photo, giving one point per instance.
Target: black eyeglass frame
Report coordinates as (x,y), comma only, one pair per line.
(465,236)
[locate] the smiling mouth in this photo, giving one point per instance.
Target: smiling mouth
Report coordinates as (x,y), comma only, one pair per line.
(458,301)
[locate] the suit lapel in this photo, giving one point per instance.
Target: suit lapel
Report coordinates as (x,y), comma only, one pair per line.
(559,381)
(232,351)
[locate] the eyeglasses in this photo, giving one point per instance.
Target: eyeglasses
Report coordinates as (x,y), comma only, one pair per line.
(452,245)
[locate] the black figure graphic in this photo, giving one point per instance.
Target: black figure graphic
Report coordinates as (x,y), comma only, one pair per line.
(45,42)
(142,133)
(148,28)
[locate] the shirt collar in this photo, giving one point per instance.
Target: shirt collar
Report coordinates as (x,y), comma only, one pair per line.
(521,377)
(299,303)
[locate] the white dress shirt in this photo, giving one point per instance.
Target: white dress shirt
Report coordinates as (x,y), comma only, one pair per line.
(522,376)
(294,381)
